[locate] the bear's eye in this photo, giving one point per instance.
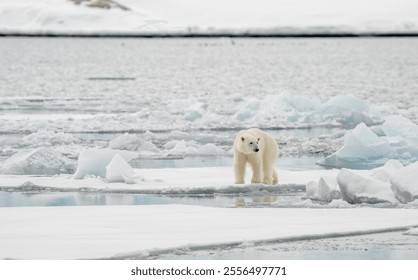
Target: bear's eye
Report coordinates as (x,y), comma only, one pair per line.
(251,143)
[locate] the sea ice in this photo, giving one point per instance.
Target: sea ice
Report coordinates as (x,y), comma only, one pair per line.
(271,111)
(349,110)
(412,231)
(181,147)
(398,126)
(210,149)
(403,135)
(328,188)
(131,142)
(312,189)
(39,161)
(362,148)
(356,188)
(405,183)
(46,138)
(384,173)
(118,170)
(94,161)
(191,148)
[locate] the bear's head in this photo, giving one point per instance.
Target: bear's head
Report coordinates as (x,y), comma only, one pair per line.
(248,144)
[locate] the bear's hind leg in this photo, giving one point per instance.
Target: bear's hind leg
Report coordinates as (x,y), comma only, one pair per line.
(268,173)
(275,177)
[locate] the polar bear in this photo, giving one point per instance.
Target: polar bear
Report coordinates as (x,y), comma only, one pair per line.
(260,150)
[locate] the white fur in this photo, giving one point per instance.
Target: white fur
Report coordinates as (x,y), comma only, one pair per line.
(262,161)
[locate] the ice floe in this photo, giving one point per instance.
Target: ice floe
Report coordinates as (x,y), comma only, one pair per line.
(131,142)
(39,161)
(405,183)
(392,183)
(118,170)
(93,162)
(141,231)
(364,149)
(356,188)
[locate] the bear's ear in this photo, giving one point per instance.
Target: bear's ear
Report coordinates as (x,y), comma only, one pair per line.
(242,139)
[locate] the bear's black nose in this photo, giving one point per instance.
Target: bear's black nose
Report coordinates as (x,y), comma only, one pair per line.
(256,150)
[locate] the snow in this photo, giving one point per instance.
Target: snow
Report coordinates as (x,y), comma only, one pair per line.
(64,16)
(93,162)
(405,183)
(123,231)
(39,161)
(181,15)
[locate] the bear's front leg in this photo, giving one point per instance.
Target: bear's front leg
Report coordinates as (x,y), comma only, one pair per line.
(268,175)
(255,166)
(239,168)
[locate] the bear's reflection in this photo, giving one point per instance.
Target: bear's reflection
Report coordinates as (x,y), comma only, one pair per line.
(241,201)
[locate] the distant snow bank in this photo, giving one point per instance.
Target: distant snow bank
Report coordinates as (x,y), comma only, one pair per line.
(31,16)
(292,17)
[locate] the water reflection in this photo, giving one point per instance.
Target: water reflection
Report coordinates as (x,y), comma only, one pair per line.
(18,199)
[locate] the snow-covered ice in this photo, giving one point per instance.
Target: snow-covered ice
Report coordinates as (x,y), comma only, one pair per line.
(132,231)
(131,142)
(39,161)
(206,180)
(94,161)
(356,188)
(405,183)
(392,183)
(118,170)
